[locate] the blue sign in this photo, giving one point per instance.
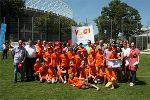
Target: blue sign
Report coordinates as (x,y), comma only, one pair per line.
(2,35)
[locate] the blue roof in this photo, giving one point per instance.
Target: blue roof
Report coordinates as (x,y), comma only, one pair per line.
(56,6)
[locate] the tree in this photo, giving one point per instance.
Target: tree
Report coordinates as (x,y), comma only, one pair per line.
(121,17)
(11,10)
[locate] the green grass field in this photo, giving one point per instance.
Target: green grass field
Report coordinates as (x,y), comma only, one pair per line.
(42,91)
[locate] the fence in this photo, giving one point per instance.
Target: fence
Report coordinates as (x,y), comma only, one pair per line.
(24,28)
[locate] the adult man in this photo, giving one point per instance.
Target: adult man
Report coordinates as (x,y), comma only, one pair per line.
(19,55)
(100,45)
(88,47)
(5,50)
(30,59)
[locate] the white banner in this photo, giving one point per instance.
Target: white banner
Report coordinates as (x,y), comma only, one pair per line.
(114,63)
(82,34)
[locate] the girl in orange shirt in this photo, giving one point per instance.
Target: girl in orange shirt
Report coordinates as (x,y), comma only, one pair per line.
(51,76)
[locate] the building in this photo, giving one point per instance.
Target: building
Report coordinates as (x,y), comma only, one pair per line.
(143,40)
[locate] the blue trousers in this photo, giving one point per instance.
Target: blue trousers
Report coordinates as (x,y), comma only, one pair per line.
(133,76)
(21,71)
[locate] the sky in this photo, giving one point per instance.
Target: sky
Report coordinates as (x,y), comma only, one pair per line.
(91,9)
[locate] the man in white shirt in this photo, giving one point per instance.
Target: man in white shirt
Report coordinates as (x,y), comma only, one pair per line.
(126,54)
(30,60)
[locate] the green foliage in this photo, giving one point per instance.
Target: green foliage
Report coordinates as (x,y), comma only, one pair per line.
(41,91)
(12,8)
(124,19)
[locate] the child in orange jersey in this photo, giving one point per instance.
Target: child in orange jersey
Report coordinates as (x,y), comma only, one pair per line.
(84,54)
(70,53)
(110,72)
(78,59)
(72,67)
(55,58)
(82,70)
(43,71)
(62,74)
(100,66)
(39,49)
(92,68)
(93,47)
(111,78)
(37,65)
(100,59)
(51,76)
(80,83)
(47,56)
(80,47)
(64,60)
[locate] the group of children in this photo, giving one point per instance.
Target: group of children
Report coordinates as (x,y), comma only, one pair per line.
(77,67)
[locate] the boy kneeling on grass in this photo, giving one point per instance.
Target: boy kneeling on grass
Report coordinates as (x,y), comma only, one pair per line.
(37,66)
(43,71)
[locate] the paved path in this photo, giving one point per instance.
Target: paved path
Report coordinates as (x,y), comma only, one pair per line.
(144,52)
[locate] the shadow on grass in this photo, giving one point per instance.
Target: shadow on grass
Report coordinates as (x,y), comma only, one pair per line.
(140,83)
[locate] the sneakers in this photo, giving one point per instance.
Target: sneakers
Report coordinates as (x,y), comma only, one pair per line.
(98,89)
(65,82)
(131,84)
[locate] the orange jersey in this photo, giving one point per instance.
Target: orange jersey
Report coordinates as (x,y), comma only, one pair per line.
(72,63)
(91,59)
(52,73)
(102,72)
(72,81)
(93,71)
(110,74)
(78,61)
(37,66)
(55,59)
(47,56)
(79,83)
(64,60)
(70,54)
(81,48)
(43,72)
(95,51)
(112,56)
(40,50)
(99,59)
